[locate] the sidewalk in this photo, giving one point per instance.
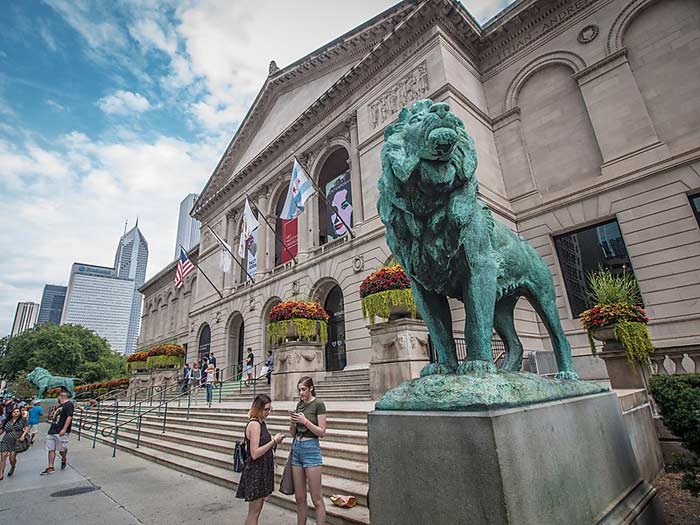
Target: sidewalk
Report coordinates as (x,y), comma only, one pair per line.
(123,490)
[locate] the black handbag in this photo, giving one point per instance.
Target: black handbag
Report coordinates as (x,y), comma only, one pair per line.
(22,446)
(240,453)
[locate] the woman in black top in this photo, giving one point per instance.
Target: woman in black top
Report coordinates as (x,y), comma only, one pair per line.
(258,476)
(15,429)
(250,360)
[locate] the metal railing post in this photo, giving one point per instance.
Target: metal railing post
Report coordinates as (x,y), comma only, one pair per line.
(138,434)
(255,379)
(80,422)
(97,424)
(165,417)
(189,402)
(116,427)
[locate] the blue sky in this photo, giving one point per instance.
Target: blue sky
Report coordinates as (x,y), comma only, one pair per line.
(113,110)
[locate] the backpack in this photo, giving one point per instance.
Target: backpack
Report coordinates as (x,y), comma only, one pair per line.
(241,453)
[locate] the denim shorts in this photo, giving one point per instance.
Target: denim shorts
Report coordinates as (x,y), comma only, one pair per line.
(306,453)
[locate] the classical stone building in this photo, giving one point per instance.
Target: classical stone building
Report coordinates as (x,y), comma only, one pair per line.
(586,119)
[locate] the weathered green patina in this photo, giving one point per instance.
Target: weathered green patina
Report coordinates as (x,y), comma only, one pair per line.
(450,245)
(482,391)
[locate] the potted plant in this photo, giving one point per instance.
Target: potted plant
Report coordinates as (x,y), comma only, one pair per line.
(386,293)
(137,361)
(297,320)
(166,355)
(617,319)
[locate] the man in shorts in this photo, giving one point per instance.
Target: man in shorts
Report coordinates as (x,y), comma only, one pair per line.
(57,437)
(34,414)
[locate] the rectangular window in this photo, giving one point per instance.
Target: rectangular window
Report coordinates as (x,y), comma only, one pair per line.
(695,204)
(587,251)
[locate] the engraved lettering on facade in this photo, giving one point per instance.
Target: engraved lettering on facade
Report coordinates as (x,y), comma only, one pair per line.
(408,89)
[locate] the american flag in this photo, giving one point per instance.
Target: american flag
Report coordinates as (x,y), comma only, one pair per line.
(184,268)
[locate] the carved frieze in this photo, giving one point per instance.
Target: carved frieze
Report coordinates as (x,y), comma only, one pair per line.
(519,33)
(408,89)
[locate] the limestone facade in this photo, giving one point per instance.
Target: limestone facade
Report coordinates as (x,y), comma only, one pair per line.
(582,111)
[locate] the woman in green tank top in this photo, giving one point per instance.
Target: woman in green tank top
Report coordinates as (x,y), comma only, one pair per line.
(307,425)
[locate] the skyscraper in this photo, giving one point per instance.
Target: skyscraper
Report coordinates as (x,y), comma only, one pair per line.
(98,299)
(187,227)
(25,317)
(52,304)
(130,263)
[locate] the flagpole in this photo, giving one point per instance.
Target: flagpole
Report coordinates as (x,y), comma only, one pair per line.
(229,251)
(204,274)
(261,214)
(318,190)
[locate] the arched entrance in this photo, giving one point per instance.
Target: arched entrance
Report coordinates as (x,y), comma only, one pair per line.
(334,180)
(204,342)
(335,348)
(236,334)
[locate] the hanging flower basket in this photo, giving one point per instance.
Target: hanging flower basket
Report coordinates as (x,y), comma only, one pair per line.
(297,321)
(619,323)
(387,293)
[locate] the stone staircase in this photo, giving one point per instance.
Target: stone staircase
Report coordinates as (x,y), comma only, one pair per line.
(344,385)
(232,391)
(202,446)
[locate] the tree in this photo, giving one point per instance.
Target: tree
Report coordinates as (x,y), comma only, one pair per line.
(64,350)
(21,387)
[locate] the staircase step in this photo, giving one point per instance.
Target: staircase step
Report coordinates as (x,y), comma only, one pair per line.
(358,515)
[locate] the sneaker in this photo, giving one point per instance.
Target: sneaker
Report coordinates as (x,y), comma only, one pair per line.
(63,464)
(49,470)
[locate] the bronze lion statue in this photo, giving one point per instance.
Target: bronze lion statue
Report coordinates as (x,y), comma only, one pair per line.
(43,380)
(450,245)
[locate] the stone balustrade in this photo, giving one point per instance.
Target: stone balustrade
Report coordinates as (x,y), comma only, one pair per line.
(674,361)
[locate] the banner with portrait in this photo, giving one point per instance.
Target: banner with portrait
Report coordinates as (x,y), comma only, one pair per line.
(339,195)
(290,238)
(252,253)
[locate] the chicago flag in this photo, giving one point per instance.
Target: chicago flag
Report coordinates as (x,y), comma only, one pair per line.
(300,190)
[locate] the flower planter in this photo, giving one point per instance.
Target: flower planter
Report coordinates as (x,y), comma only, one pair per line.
(607,337)
(623,373)
(298,329)
(386,293)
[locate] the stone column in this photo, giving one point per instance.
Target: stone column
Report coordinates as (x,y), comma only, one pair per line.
(263,232)
(293,360)
(625,133)
(399,353)
(355,171)
(512,154)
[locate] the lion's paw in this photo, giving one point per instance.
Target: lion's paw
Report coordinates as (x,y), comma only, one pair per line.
(435,368)
(467,367)
(568,376)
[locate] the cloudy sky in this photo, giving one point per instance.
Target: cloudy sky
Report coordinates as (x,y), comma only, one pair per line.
(113,110)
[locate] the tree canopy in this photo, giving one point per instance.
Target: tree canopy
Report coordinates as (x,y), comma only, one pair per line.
(64,350)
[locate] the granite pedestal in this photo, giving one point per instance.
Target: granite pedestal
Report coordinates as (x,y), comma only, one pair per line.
(293,361)
(560,462)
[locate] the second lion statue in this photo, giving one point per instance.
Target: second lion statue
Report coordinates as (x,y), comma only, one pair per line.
(450,245)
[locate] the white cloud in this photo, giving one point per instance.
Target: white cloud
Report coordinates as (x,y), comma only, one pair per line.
(55,105)
(123,103)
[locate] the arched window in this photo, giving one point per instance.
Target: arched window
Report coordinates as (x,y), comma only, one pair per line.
(287,231)
(204,342)
(335,182)
(335,348)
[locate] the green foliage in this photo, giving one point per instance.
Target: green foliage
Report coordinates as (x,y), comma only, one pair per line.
(635,339)
(306,330)
(379,304)
(64,350)
(21,387)
(609,288)
(165,361)
(678,399)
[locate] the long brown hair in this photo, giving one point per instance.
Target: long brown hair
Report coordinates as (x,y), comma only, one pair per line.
(258,406)
(308,383)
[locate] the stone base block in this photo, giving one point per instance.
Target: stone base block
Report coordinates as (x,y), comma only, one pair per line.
(294,361)
(567,461)
(399,353)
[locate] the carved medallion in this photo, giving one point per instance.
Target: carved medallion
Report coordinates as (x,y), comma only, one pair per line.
(588,34)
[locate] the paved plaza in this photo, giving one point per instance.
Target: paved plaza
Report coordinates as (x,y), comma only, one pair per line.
(124,490)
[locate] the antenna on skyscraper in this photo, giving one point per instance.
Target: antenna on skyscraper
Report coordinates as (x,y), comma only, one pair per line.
(126,223)
(137,222)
